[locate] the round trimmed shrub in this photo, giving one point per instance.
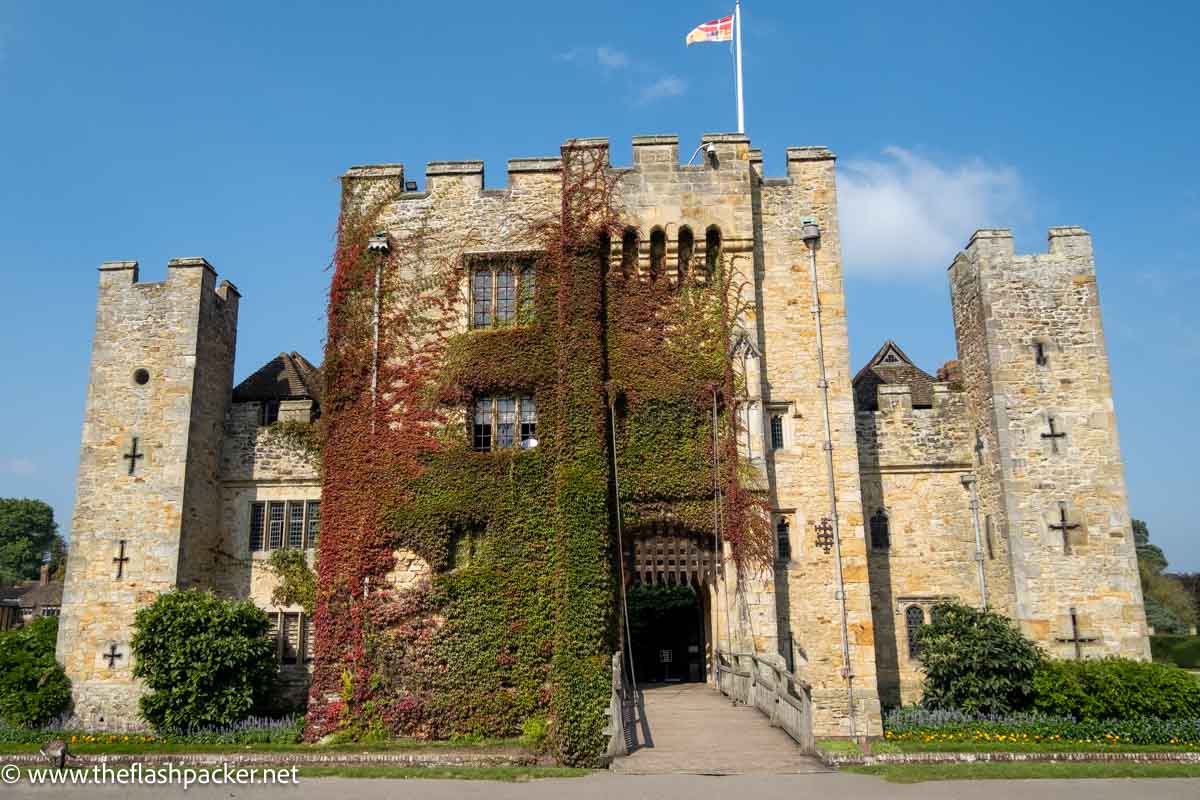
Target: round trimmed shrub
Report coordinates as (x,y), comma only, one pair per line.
(33,687)
(976,661)
(206,661)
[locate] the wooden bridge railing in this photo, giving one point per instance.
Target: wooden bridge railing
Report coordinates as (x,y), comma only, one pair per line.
(780,695)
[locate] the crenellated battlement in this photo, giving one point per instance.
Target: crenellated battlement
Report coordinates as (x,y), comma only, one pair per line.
(121,277)
(1065,243)
(899,434)
(716,155)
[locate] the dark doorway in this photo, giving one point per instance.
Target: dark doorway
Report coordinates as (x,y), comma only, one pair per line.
(667,625)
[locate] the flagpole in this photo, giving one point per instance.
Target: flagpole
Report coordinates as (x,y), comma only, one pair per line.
(737,26)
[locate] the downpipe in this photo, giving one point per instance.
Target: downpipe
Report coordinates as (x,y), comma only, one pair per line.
(811,234)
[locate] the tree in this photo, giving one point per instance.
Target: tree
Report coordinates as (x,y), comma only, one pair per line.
(27,533)
(976,661)
(206,661)
(1170,607)
(33,687)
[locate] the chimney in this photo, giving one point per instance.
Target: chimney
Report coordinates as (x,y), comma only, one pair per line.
(45,578)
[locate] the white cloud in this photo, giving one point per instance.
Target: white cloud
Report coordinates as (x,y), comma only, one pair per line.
(669,86)
(613,59)
(610,61)
(904,216)
(607,58)
(18,466)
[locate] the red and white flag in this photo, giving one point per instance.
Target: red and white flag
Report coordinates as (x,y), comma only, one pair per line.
(718,30)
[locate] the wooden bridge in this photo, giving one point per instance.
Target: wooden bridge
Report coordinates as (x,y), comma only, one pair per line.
(757,723)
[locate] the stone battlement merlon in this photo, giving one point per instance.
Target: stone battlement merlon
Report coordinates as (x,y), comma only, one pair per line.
(114,274)
(658,153)
(1065,241)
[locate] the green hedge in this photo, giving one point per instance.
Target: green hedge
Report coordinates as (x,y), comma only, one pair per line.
(33,687)
(1115,688)
(1183,651)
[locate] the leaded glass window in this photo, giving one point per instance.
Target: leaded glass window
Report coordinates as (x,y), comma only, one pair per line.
(776,431)
(506,295)
(503,422)
(295,528)
(914,620)
(506,421)
(482,429)
(783,538)
(498,292)
(275,520)
(528,420)
(481,295)
(258,516)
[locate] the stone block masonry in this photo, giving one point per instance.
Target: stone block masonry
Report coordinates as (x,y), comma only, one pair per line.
(1051,478)
(148,490)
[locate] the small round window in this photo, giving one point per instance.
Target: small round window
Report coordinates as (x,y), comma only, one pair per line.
(141,377)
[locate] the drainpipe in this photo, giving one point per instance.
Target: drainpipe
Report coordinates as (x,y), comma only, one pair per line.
(969,482)
(810,232)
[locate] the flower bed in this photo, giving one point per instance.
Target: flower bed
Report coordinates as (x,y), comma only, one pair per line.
(252,731)
(916,724)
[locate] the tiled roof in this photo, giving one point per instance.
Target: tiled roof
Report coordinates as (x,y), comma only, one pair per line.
(890,366)
(288,376)
(43,594)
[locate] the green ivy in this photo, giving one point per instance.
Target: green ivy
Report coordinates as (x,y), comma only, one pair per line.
(297,582)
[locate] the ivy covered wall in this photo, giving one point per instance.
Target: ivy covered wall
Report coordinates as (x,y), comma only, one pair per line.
(515,616)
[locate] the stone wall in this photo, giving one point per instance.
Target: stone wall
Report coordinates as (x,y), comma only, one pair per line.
(759,221)
(1032,349)
(181,333)
(912,462)
(806,584)
(257,465)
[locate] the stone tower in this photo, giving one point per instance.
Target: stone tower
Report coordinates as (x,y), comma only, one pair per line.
(1045,450)
(147,503)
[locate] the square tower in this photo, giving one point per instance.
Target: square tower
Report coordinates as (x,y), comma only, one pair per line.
(1046,453)
(147,502)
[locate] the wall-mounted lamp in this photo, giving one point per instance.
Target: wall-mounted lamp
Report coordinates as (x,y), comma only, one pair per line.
(379,243)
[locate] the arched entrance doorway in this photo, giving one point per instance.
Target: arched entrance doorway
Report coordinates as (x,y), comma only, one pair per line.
(670,572)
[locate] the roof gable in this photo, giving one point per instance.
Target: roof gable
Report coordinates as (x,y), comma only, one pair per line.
(891,366)
(288,376)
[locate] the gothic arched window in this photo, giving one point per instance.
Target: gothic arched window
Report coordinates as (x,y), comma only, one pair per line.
(658,253)
(629,252)
(880,535)
(686,244)
(712,249)
(914,620)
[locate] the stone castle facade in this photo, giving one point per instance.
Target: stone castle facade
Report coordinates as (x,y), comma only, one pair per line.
(997,481)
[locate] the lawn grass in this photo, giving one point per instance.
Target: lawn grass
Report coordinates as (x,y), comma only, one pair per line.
(510,774)
(919,773)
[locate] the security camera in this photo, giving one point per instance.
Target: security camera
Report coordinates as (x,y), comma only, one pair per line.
(710,148)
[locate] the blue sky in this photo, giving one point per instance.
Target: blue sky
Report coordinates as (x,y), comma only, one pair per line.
(153,130)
